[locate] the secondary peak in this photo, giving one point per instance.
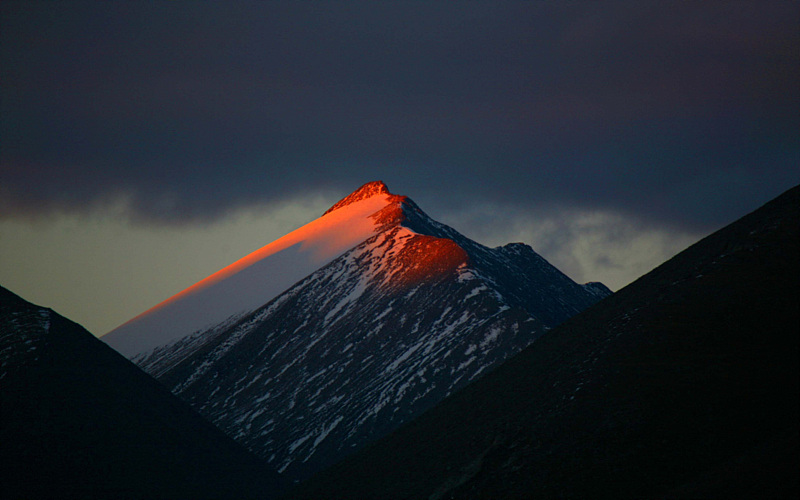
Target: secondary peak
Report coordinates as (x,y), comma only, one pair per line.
(368,190)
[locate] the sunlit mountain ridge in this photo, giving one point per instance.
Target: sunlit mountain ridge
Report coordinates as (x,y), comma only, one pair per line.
(254,279)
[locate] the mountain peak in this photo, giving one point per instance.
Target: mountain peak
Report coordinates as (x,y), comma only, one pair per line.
(403,310)
(368,190)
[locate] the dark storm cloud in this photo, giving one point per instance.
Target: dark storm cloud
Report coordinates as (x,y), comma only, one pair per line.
(673,111)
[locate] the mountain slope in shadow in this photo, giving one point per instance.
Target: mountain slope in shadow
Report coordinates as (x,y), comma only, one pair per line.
(685,383)
(77,420)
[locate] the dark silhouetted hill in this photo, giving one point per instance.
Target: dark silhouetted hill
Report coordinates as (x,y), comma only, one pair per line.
(683,384)
(77,420)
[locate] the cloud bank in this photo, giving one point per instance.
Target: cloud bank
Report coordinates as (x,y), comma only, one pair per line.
(674,112)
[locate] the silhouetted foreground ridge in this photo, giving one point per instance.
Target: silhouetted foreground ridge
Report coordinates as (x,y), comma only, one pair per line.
(77,420)
(685,383)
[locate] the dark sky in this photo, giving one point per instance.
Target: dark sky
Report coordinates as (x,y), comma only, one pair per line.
(145,145)
(676,112)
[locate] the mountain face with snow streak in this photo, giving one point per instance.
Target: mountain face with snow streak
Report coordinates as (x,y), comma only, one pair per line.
(364,342)
(253,280)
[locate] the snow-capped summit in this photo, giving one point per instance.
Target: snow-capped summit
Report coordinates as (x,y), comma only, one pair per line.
(368,190)
(334,335)
(256,278)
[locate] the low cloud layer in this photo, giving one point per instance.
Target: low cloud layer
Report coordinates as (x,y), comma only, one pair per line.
(101,271)
(678,113)
(586,245)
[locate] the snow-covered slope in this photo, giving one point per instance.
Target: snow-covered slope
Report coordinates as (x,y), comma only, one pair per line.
(368,341)
(255,279)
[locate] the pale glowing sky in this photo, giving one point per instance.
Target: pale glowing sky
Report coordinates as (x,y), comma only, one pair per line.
(145,145)
(100,270)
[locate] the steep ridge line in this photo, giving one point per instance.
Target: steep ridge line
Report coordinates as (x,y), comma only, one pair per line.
(254,279)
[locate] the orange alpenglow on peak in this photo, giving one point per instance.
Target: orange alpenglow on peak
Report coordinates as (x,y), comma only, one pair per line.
(257,277)
(368,190)
(425,258)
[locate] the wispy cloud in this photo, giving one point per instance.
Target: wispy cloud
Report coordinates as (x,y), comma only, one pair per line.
(586,245)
